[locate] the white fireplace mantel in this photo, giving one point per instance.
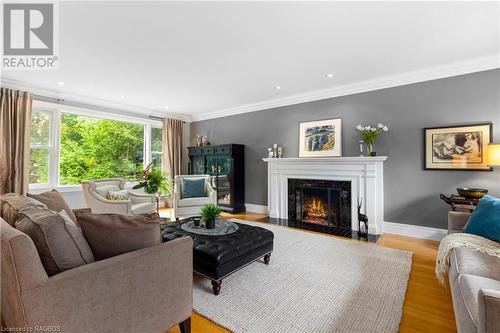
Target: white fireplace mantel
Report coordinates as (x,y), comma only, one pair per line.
(366,175)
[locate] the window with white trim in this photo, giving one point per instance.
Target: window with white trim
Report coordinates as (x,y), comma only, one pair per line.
(70,145)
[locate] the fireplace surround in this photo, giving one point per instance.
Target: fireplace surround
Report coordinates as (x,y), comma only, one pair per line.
(365,174)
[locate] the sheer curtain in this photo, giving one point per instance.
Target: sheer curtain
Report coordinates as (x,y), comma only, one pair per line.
(15,127)
(172,146)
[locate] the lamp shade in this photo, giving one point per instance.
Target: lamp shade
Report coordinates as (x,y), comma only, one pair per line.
(493,154)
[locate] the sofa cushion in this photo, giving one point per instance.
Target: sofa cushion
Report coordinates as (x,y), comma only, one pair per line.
(468,261)
(112,234)
(54,201)
(58,239)
(193,188)
(485,220)
(469,286)
(193,202)
(12,204)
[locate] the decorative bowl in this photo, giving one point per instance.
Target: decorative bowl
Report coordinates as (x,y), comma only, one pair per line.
(472,193)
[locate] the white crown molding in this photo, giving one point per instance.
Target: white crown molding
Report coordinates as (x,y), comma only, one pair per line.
(415,231)
(91,101)
(439,72)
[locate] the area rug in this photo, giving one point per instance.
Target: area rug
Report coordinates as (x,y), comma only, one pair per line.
(314,283)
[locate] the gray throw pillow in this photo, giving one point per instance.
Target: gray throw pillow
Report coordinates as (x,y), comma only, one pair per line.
(54,201)
(112,234)
(58,239)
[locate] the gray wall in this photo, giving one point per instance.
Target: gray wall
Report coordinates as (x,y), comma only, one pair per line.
(411,194)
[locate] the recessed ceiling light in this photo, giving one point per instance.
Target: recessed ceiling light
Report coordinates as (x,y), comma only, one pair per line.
(329,75)
(277,87)
(61,83)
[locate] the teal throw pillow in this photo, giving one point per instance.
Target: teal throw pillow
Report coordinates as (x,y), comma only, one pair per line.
(485,220)
(193,188)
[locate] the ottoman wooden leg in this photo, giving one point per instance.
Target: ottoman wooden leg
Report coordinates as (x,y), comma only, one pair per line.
(267,258)
(216,285)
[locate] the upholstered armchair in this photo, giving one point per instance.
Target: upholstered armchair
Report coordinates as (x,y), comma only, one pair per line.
(191,206)
(95,192)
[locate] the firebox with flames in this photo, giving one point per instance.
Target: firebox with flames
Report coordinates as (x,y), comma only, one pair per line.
(315,210)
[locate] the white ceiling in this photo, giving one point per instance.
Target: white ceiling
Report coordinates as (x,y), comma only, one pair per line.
(203,57)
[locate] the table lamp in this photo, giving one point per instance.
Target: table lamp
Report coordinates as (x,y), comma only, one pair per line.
(493,154)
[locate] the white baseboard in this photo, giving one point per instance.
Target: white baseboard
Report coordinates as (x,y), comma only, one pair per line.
(261,209)
(409,230)
(414,231)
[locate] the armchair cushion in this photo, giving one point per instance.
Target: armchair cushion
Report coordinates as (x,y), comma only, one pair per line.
(54,201)
(58,239)
(112,234)
(193,188)
(191,202)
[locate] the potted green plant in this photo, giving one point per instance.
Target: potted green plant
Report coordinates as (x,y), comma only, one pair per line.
(209,213)
(369,134)
(155,181)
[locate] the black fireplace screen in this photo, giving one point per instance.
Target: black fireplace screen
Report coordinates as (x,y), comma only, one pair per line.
(320,202)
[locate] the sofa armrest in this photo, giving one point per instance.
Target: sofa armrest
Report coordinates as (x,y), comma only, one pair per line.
(457,221)
(489,311)
(144,290)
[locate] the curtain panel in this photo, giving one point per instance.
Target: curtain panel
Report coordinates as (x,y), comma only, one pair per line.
(15,127)
(172,146)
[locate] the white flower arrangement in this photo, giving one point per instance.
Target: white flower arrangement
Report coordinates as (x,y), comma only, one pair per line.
(369,134)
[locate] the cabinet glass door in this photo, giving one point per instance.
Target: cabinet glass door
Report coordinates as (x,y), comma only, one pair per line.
(212,170)
(224,180)
(198,165)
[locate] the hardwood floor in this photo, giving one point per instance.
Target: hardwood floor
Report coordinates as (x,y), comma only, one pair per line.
(427,307)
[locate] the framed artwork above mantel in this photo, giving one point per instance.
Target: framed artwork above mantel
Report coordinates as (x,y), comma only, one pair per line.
(460,147)
(321,138)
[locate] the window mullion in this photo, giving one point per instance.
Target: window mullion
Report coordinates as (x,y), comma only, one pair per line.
(54,148)
(147,144)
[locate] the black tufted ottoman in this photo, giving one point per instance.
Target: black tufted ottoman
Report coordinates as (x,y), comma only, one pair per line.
(216,257)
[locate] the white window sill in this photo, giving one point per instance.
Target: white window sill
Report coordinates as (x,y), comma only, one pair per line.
(39,188)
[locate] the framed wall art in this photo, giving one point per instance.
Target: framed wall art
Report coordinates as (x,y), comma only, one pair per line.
(321,138)
(457,147)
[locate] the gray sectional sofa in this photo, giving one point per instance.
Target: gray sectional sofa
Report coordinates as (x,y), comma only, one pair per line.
(147,290)
(475,284)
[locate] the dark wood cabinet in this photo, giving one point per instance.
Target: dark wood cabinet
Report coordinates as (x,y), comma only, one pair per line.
(226,166)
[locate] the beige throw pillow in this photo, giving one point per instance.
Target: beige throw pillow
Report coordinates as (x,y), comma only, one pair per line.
(12,204)
(58,239)
(54,201)
(117,195)
(112,234)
